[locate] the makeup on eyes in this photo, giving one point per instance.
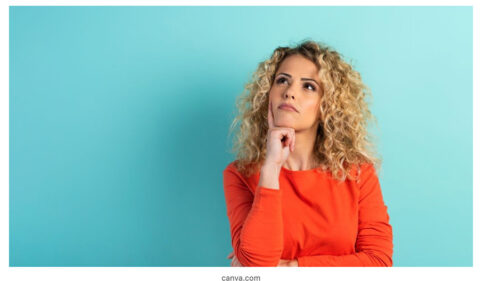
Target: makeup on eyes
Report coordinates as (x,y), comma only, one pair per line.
(303,79)
(313,87)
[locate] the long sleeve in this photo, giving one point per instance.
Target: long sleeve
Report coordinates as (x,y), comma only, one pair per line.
(256,223)
(374,245)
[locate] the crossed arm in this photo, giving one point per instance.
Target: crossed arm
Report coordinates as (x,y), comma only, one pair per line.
(236,263)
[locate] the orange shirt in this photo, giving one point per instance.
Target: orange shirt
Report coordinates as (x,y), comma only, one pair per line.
(312,218)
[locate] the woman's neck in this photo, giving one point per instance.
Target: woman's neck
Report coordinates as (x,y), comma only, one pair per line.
(302,157)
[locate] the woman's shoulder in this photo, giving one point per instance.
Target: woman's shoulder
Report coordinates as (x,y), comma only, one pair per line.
(232,176)
(361,170)
(232,166)
(235,168)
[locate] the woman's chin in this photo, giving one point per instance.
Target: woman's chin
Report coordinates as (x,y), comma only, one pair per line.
(285,124)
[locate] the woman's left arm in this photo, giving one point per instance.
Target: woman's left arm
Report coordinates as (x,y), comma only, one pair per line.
(374,244)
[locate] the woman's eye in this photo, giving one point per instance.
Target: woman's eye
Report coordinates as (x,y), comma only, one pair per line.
(280,80)
(308,84)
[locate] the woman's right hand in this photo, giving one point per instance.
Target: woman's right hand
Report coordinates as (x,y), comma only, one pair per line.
(280,141)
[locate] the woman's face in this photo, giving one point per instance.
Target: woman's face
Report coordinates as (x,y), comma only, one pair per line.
(296,83)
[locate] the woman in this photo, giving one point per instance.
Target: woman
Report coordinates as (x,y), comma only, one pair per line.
(303,190)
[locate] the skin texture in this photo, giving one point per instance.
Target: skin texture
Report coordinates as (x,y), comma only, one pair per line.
(292,134)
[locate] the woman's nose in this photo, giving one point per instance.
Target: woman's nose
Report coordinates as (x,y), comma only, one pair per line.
(287,95)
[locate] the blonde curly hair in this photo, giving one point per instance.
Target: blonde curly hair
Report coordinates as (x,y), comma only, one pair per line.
(342,140)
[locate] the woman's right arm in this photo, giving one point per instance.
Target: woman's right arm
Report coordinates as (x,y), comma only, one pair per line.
(256,223)
(269,176)
(280,141)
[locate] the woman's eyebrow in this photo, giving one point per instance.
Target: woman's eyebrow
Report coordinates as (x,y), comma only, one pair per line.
(303,79)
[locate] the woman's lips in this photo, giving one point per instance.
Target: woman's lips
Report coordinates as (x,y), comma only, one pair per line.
(287,108)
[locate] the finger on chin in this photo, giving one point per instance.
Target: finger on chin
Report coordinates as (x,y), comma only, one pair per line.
(271,123)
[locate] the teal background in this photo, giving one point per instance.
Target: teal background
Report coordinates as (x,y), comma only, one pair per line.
(119,123)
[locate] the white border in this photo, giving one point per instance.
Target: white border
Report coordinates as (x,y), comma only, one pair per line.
(215,273)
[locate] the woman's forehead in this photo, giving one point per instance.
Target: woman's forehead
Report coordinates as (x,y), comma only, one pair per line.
(297,65)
